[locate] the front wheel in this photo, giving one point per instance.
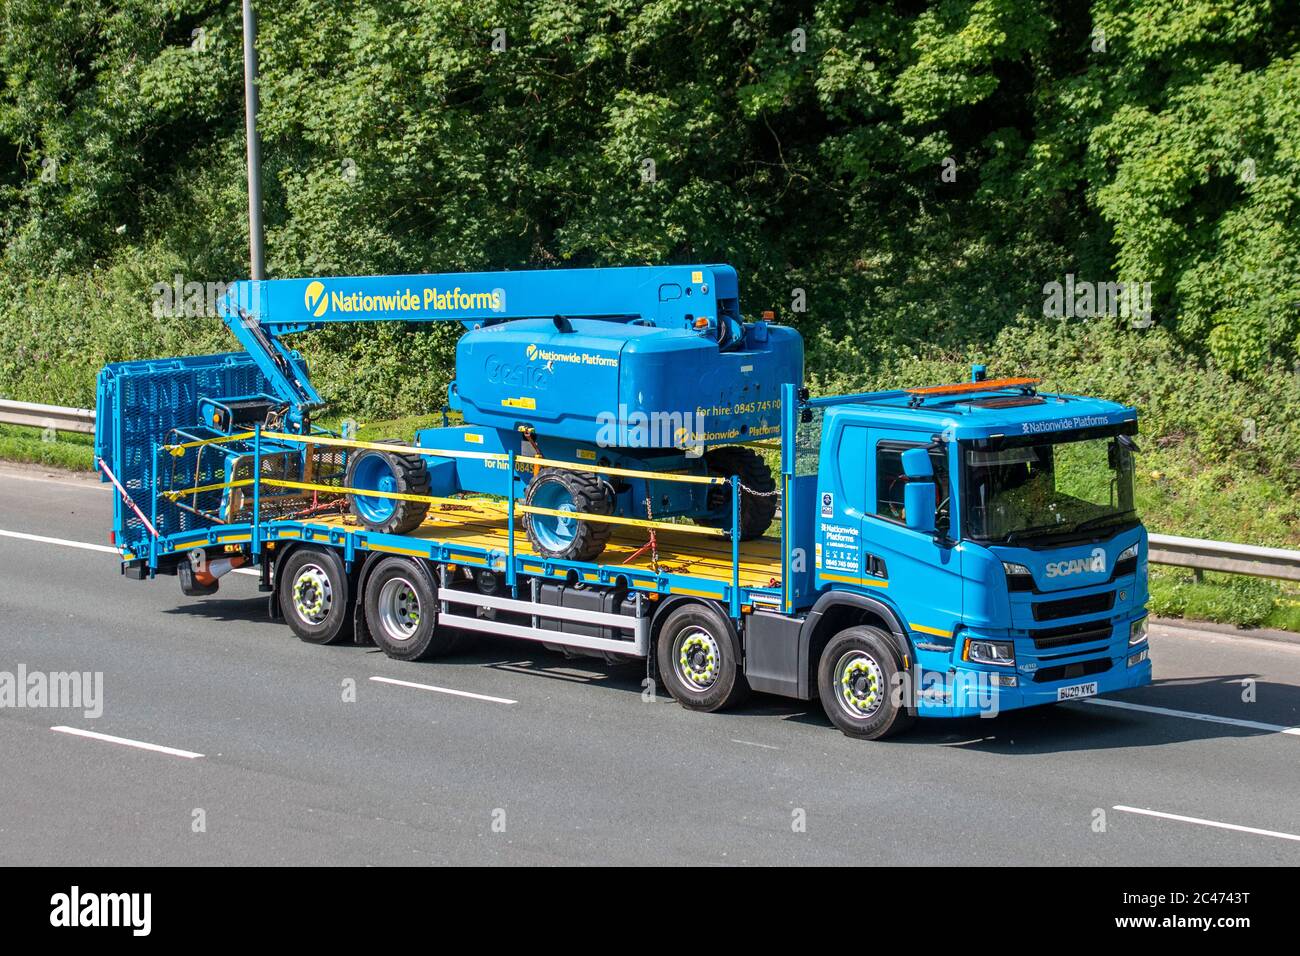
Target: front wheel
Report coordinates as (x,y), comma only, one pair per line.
(569,495)
(859,683)
(388,472)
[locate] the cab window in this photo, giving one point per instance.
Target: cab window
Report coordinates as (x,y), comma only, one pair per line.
(890,481)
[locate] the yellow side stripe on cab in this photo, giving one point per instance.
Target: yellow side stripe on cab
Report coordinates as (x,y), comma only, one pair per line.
(870,582)
(939,632)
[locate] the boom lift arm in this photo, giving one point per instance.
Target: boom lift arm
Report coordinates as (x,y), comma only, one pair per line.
(701,297)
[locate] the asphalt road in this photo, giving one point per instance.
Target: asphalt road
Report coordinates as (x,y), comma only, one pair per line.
(558,761)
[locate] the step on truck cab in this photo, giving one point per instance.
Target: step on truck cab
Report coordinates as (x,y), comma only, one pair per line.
(942,551)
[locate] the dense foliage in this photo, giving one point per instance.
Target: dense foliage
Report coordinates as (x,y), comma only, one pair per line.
(914,173)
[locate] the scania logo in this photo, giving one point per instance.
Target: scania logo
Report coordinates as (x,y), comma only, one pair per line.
(315,298)
(1096,561)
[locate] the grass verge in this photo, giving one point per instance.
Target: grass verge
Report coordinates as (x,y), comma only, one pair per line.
(68,450)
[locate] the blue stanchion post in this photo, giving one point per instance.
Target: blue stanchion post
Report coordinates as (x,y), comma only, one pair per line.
(789,452)
(153,511)
(257,489)
(510,523)
(735,546)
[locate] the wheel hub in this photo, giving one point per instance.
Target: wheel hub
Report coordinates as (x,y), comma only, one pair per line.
(861,685)
(399,609)
(698,659)
(312,594)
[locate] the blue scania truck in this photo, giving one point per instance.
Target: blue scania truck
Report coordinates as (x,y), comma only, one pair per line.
(638,473)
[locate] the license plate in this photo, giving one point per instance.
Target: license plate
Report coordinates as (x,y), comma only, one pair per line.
(1077,691)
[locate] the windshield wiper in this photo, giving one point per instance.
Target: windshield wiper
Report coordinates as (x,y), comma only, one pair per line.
(1039,530)
(1102,521)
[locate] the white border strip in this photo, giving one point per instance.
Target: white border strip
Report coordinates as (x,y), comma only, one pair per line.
(1192,715)
(126,742)
(444,690)
(1209,823)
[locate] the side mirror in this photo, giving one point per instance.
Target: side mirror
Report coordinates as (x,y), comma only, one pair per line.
(918,505)
(916,463)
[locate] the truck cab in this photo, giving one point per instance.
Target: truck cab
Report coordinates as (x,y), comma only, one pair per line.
(994,529)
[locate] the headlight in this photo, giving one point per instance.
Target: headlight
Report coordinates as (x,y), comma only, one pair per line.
(1137,631)
(990,652)
(1130,552)
(1019,577)
(1135,659)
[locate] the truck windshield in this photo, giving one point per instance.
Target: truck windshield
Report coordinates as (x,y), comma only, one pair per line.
(1038,486)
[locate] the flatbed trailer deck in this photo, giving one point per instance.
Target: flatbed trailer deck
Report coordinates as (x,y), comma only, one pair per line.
(476,534)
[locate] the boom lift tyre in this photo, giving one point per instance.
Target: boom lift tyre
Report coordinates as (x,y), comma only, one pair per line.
(388,471)
(315,594)
(401,605)
(699,659)
(857,680)
(570,539)
(756,511)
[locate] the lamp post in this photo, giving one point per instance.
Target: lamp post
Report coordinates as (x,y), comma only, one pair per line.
(256,251)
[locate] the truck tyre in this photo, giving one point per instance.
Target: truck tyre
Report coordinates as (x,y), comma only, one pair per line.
(571,539)
(375,470)
(757,511)
(315,595)
(699,659)
(401,605)
(857,680)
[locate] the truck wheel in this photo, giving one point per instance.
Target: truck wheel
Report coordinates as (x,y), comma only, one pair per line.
(858,684)
(402,611)
(315,595)
(388,471)
(699,659)
(756,511)
(570,491)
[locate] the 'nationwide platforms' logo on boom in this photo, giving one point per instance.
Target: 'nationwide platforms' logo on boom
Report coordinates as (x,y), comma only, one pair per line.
(315,298)
(401,303)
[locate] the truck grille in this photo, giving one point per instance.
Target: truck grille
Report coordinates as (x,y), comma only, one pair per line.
(1089,633)
(1074,606)
(1046,675)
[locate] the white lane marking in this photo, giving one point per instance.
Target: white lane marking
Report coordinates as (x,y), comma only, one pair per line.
(444,690)
(42,539)
(126,742)
(84,545)
(89,484)
(1192,715)
(1209,823)
(750,743)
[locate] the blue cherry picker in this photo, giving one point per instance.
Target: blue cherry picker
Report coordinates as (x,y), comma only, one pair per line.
(941,551)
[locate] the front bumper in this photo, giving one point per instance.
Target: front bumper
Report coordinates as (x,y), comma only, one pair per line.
(964,689)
